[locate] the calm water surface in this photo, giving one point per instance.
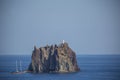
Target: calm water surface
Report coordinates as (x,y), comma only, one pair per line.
(93,67)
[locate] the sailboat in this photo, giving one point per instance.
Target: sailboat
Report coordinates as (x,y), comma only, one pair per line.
(20,69)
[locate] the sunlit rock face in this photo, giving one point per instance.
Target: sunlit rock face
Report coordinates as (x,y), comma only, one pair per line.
(57,58)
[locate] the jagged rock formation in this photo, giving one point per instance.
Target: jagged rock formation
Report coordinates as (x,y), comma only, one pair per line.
(55,58)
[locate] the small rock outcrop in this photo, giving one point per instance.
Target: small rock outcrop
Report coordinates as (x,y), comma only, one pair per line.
(57,58)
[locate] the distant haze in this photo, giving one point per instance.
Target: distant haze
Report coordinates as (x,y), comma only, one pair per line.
(89,26)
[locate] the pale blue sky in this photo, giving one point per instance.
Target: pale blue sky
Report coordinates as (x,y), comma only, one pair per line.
(89,26)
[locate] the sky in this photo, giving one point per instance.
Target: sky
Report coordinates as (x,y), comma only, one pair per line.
(88,26)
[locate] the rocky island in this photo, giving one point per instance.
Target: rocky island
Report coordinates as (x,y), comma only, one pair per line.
(54,58)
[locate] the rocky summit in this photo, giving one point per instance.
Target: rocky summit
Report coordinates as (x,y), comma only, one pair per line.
(54,58)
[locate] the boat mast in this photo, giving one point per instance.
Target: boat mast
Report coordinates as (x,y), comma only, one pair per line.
(20,66)
(16,67)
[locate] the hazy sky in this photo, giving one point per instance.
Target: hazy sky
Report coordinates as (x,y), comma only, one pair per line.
(89,26)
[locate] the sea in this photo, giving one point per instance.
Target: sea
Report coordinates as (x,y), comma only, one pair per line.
(92,67)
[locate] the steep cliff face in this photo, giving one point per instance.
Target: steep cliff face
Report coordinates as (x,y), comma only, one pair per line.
(55,58)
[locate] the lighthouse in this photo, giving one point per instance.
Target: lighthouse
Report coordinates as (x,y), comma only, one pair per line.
(63,41)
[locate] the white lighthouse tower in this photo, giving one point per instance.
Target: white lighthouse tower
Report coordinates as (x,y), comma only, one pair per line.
(63,41)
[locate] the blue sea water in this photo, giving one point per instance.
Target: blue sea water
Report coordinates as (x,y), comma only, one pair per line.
(93,67)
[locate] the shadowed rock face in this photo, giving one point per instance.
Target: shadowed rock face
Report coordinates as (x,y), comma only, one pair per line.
(55,58)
